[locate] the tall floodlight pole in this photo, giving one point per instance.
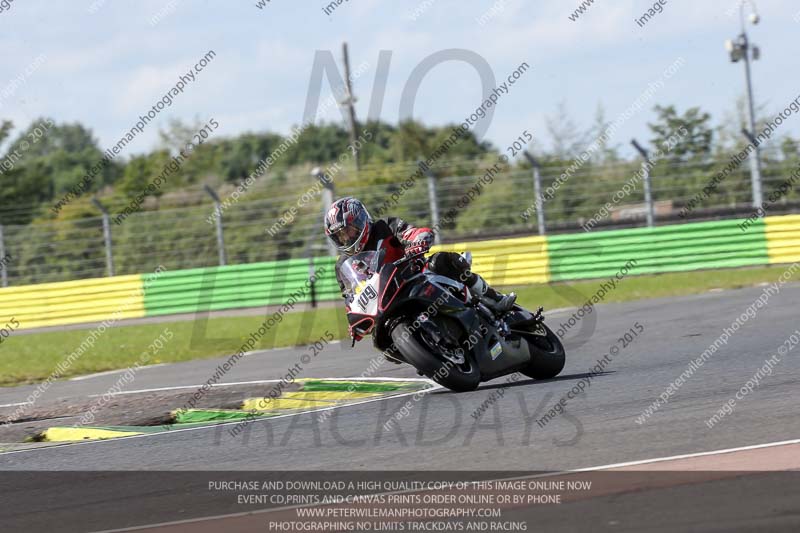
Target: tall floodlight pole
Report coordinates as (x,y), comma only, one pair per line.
(741,49)
(349,101)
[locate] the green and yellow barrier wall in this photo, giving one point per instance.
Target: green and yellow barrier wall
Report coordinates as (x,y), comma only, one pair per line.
(515,261)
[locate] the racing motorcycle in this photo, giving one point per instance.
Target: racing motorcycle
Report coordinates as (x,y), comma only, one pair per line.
(433,323)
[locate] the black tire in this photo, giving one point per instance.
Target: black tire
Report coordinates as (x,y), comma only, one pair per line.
(458,378)
(547,355)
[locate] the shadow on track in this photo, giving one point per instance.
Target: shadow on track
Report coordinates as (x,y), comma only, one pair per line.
(530,381)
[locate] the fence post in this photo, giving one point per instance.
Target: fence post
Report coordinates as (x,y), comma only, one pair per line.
(537,192)
(327,200)
(312,269)
(755,168)
(220,235)
(3,268)
(312,278)
(433,200)
(648,195)
(106,237)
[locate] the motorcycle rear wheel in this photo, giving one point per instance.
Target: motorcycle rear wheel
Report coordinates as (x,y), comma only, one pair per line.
(458,378)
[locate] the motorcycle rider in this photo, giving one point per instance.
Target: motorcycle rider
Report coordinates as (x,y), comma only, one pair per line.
(352,230)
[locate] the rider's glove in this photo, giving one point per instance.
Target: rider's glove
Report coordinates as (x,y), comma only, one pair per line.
(418,247)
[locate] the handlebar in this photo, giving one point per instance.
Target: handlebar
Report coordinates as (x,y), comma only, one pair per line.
(408,258)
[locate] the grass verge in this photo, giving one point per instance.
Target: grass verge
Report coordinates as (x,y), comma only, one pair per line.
(33,357)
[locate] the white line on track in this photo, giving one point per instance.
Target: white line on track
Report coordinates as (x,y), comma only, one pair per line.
(179,387)
(245,354)
(109,372)
(548,474)
(373,379)
(254,382)
(15,404)
(690,455)
(434,386)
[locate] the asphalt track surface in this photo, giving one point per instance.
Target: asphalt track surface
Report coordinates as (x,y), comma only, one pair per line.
(439,432)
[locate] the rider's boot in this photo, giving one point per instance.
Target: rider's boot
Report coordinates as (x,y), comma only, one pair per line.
(497,302)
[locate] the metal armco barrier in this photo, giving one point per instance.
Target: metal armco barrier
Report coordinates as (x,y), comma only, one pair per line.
(517,261)
(231,287)
(675,248)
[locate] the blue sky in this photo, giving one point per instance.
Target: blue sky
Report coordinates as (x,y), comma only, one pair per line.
(105,68)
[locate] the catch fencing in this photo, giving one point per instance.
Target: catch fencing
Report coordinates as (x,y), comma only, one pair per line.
(179,230)
(514,261)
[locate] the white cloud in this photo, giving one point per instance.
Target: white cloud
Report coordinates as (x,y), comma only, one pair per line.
(105,69)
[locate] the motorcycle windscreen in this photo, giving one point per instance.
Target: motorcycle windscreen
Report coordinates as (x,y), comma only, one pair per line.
(356,270)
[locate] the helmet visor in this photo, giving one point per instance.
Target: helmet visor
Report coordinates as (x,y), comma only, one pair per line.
(350,234)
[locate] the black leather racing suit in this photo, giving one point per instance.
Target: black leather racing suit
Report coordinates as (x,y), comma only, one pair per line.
(397,235)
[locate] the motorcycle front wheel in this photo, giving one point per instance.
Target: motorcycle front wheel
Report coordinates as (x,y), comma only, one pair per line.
(458,378)
(548,356)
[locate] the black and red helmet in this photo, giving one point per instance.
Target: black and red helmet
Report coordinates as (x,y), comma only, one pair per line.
(348,224)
